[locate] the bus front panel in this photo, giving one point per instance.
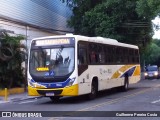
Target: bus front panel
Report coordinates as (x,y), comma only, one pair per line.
(52,67)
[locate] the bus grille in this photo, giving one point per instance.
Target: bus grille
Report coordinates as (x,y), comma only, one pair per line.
(43,92)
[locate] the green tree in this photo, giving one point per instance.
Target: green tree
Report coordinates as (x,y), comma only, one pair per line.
(157,42)
(117,19)
(10,61)
(152,53)
(148,8)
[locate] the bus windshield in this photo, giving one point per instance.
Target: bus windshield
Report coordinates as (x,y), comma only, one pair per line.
(55,62)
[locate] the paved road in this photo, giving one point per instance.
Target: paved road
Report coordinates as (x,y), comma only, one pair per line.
(143,96)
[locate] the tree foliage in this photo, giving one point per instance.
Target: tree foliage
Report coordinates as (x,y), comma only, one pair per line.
(148,8)
(152,54)
(10,61)
(127,21)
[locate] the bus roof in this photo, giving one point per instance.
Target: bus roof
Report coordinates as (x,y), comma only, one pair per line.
(92,39)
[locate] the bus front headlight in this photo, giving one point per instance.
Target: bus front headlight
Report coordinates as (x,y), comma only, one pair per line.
(31,82)
(70,83)
(35,84)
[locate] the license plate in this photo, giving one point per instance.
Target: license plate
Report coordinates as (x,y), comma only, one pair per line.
(150,75)
(49,94)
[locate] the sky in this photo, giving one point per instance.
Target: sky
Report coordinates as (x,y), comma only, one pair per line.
(156,32)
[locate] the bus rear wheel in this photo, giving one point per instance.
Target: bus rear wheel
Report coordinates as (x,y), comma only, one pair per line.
(94,90)
(126,84)
(55,98)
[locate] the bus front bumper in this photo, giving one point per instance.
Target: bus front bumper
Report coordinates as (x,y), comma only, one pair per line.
(67,91)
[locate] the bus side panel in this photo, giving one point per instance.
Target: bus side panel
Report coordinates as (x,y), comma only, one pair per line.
(103,73)
(114,76)
(136,75)
(109,76)
(84,83)
(93,71)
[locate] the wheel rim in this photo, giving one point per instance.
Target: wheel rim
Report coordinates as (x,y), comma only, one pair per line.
(126,86)
(93,90)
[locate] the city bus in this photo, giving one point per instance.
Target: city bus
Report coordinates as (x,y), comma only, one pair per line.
(73,65)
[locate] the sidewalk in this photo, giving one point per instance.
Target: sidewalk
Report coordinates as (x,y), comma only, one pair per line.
(16,97)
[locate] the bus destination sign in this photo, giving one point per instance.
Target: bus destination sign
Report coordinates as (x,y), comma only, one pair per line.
(52,42)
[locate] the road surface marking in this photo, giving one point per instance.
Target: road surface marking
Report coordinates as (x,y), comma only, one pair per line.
(27,101)
(117,99)
(108,102)
(113,101)
(4,102)
(156,101)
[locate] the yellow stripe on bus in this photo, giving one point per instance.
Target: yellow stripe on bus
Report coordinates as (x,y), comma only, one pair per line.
(121,71)
(137,71)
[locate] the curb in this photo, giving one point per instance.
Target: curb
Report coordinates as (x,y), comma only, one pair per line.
(18,99)
(12,91)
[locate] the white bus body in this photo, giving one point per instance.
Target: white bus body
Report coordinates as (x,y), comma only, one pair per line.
(95,64)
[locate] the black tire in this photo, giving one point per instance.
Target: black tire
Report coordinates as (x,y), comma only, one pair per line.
(126,84)
(55,99)
(94,90)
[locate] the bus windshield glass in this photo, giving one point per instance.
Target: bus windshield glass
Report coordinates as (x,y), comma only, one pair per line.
(55,62)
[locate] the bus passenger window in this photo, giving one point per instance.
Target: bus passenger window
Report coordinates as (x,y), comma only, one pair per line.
(82,56)
(102,58)
(93,57)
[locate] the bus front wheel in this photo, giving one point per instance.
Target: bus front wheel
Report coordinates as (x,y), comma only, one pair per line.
(55,98)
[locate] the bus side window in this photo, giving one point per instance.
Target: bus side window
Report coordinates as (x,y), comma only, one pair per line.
(101,54)
(125,55)
(93,57)
(93,54)
(82,54)
(107,54)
